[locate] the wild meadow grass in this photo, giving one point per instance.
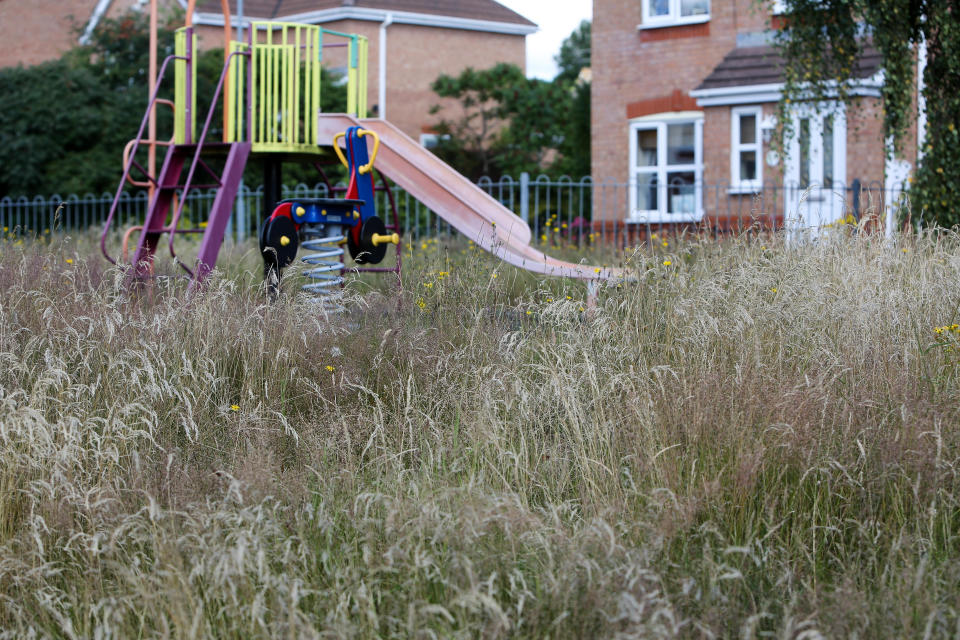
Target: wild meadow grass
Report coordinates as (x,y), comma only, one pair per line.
(754,439)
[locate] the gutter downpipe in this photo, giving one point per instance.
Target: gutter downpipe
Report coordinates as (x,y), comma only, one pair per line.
(98,12)
(382,67)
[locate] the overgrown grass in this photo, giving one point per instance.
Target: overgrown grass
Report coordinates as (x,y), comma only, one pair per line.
(754,440)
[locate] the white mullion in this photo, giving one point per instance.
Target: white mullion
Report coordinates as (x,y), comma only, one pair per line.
(662,168)
(698,162)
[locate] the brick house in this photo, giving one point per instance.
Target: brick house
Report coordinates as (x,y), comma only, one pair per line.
(34,31)
(411,43)
(684,99)
(417,40)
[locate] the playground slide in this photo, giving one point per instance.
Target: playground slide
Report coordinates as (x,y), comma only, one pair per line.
(467,208)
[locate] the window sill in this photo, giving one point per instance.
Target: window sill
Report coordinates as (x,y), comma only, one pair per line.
(654,217)
(745,190)
(674,23)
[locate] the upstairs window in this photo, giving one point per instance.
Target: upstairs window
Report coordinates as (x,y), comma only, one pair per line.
(664,13)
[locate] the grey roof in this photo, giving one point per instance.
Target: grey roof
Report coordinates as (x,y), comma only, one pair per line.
(488,10)
(746,66)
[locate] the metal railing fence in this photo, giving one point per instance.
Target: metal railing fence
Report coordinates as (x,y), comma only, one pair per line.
(558,210)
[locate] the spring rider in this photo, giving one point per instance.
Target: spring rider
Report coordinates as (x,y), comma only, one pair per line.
(323,225)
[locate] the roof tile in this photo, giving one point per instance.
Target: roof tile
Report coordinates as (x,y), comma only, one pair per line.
(470,9)
(746,66)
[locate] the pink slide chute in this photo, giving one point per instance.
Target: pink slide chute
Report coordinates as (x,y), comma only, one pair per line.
(469,209)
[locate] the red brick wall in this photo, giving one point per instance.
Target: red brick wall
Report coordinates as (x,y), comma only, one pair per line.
(34,31)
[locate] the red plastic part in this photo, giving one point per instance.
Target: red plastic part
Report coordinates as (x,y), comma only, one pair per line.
(285,210)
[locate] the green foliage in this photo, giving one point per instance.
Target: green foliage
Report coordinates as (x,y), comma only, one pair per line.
(822,41)
(508,123)
(574,53)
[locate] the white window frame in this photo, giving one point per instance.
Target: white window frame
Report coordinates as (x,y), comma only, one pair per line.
(737,183)
(660,122)
(673,18)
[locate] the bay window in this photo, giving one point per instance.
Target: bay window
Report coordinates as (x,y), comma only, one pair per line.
(666,181)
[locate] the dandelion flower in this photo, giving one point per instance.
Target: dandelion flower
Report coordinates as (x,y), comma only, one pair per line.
(904,250)
(330,368)
(529,312)
(569,298)
(597,270)
(234,407)
(773,289)
(494,275)
(667,263)
(549,299)
(666,244)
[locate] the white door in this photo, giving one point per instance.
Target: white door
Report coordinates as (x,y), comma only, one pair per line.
(816,172)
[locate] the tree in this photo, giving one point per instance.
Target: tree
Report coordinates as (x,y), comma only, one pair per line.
(467,141)
(574,56)
(821,43)
(508,123)
(574,53)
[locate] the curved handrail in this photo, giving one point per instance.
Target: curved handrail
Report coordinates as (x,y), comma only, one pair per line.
(376,148)
(159,143)
(367,168)
(133,153)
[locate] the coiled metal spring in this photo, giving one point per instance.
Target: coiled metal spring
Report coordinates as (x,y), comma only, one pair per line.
(328,265)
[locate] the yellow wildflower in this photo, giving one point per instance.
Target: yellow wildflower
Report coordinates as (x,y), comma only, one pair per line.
(69,260)
(667,263)
(234,407)
(331,369)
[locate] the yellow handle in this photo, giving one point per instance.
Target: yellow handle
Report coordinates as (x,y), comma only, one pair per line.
(336,147)
(390,238)
(376,148)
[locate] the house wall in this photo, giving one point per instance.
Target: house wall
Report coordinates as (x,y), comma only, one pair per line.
(416,55)
(644,68)
(34,31)
(640,72)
